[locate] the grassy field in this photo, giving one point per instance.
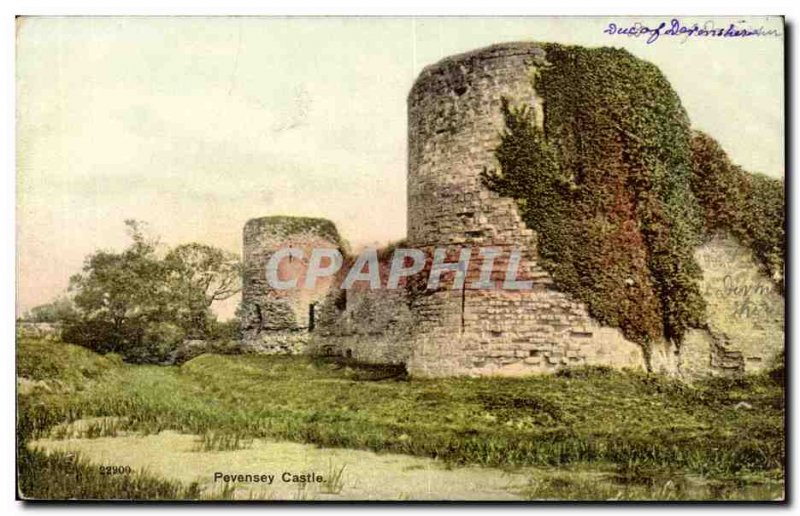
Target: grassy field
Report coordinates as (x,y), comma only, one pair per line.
(644,429)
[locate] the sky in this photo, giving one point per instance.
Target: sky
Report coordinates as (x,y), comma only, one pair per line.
(196,125)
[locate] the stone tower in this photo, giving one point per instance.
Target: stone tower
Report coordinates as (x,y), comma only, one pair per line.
(278,320)
(454,125)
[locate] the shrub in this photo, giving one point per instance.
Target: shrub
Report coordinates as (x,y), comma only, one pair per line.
(60,310)
(224,330)
(98,335)
(158,341)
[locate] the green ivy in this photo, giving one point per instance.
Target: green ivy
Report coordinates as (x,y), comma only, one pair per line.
(749,206)
(606,184)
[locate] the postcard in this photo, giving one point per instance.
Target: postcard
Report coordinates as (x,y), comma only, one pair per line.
(323,259)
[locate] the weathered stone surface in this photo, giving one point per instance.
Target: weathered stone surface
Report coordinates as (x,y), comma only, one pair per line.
(371,326)
(265,310)
(745,314)
(277,342)
(455,123)
(454,126)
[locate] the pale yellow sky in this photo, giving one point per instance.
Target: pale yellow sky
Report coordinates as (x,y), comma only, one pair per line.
(197,124)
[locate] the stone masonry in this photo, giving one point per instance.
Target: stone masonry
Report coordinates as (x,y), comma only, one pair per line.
(454,126)
(372,326)
(277,321)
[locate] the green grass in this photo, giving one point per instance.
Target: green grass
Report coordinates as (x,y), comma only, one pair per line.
(223,441)
(51,361)
(574,484)
(63,476)
(621,420)
(334,479)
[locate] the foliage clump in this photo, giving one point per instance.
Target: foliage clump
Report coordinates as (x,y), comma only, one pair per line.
(749,206)
(55,311)
(604,180)
(142,305)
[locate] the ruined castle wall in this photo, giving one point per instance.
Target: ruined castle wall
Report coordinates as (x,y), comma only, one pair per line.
(455,123)
(370,326)
(745,314)
(276,321)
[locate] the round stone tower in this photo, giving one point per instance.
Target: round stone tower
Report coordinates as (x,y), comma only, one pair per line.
(269,315)
(455,122)
(454,126)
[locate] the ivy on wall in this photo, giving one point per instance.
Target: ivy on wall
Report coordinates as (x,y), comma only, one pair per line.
(606,184)
(750,206)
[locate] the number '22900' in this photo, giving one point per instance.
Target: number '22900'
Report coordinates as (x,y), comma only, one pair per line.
(115,470)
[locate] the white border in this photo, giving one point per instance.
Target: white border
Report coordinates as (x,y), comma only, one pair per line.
(342,7)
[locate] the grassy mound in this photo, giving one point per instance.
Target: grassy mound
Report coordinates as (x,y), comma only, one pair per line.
(45,360)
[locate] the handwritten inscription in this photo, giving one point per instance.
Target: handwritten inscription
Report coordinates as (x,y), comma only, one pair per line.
(747,297)
(675,28)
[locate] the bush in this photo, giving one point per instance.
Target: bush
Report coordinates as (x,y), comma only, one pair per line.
(58,311)
(98,335)
(158,342)
(225,330)
(152,344)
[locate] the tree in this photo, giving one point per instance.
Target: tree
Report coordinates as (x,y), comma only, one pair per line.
(143,306)
(214,273)
(118,295)
(200,275)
